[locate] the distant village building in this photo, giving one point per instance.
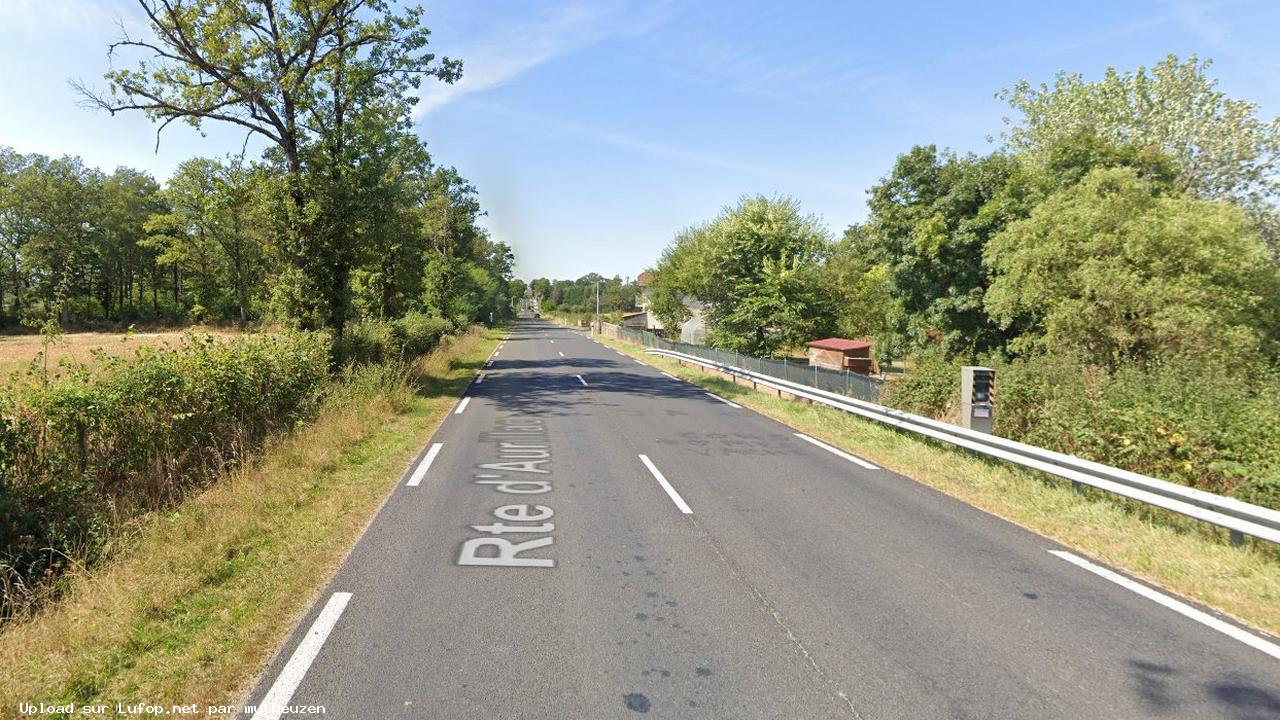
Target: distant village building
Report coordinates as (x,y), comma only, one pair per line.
(842,354)
(692,331)
(641,320)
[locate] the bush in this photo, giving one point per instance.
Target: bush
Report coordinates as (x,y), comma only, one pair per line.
(1213,428)
(419,333)
(931,388)
(378,341)
(365,341)
(86,451)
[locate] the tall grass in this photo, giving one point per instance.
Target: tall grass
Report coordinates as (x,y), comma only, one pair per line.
(201,593)
(84,453)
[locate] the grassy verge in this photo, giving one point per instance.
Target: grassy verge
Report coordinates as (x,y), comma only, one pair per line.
(1180,555)
(202,596)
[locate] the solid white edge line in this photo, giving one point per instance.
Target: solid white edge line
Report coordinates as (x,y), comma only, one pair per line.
(726,402)
(584,382)
(641,362)
(462,405)
(837,451)
(671,492)
(673,377)
(1177,606)
(273,704)
(424,465)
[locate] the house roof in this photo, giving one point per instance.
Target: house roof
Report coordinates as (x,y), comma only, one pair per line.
(633,314)
(841,344)
(644,278)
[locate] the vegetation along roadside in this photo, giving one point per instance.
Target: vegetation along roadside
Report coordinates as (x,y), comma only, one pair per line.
(200,594)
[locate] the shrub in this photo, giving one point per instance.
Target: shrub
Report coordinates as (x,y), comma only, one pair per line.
(418,333)
(87,450)
(931,388)
(366,341)
(1213,428)
(375,341)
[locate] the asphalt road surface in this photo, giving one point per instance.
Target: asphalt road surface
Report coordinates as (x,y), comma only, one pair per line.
(585,537)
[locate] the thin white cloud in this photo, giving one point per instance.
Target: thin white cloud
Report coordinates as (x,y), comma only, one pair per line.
(562,127)
(506,51)
(1205,22)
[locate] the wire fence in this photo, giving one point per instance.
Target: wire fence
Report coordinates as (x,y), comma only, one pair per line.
(845,382)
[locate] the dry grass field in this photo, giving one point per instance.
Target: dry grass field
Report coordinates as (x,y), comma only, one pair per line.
(17,351)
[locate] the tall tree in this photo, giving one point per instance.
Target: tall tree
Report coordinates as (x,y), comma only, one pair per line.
(312,78)
(1219,145)
(1113,269)
(930,219)
(755,267)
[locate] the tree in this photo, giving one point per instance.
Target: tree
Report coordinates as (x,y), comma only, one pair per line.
(16,230)
(517,288)
(211,234)
(755,266)
(1114,269)
(54,206)
(1220,147)
(539,288)
(127,199)
(930,219)
(862,295)
(312,78)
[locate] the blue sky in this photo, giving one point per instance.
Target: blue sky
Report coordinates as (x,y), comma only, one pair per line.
(596,130)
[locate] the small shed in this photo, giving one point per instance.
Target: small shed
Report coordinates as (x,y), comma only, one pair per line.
(638,319)
(843,354)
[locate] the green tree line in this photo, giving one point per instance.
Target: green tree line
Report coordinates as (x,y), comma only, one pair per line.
(210,246)
(343,216)
(579,296)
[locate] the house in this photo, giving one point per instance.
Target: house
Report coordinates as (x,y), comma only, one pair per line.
(642,287)
(642,317)
(843,354)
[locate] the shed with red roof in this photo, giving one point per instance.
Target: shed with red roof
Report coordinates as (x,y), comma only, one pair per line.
(844,354)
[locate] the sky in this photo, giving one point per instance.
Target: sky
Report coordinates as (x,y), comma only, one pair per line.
(595,130)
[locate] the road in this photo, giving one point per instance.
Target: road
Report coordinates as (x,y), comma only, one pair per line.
(594,539)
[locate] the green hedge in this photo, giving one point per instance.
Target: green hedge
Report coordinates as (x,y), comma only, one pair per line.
(83,452)
(1212,428)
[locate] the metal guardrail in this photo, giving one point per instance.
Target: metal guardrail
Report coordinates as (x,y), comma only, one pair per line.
(1239,517)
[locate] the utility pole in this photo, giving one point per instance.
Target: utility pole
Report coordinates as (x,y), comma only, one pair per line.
(597,306)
